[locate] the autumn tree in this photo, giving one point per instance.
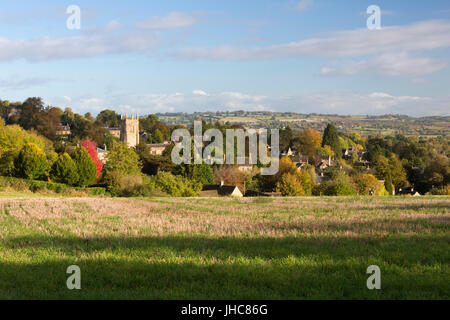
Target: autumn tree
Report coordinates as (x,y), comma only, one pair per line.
(290,185)
(309,142)
(91,148)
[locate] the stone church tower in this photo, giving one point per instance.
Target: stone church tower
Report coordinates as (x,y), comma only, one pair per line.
(129,130)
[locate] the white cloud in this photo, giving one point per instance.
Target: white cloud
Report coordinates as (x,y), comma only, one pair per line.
(199,93)
(388,64)
(303,5)
(173,20)
(426,35)
(83,46)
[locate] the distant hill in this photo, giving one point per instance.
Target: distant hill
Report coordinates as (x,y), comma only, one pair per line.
(382,124)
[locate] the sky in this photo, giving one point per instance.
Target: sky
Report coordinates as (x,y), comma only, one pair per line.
(305,56)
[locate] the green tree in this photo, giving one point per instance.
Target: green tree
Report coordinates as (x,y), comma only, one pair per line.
(340,185)
(122,159)
(12,139)
(388,184)
(31,163)
(331,138)
(64,170)
(86,168)
(202,173)
(109,118)
(176,186)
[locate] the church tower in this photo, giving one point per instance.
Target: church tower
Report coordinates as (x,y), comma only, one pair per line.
(129,130)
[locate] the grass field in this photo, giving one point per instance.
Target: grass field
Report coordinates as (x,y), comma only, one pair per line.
(262,248)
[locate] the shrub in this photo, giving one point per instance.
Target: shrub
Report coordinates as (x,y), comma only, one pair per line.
(290,185)
(340,189)
(177,186)
(19,185)
(31,163)
(86,169)
(340,185)
(64,170)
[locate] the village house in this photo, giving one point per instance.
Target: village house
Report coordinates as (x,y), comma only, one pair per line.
(63,131)
(115,131)
(159,148)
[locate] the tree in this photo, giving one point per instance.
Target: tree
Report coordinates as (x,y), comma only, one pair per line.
(86,169)
(230,175)
(309,142)
(12,139)
(64,170)
(202,173)
(91,148)
(290,185)
(176,186)
(31,163)
(269,183)
(398,173)
(122,159)
(109,118)
(340,185)
(331,138)
(388,184)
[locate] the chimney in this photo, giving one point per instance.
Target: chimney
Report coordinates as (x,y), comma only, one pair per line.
(222,183)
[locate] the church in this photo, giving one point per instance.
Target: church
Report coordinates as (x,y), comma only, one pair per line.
(129,130)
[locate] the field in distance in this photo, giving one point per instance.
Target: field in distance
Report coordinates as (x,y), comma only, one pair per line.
(366,125)
(251,248)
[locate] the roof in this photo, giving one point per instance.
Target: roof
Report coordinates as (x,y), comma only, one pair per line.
(221,190)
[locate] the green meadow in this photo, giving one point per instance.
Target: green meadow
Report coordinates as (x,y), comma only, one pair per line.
(223,248)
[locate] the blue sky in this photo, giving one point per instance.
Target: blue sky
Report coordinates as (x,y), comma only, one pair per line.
(168,56)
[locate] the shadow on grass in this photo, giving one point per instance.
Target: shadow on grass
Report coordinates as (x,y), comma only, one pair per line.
(199,267)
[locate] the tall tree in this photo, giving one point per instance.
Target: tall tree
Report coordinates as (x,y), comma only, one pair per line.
(331,138)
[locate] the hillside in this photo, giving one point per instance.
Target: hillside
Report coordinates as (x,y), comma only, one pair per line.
(384,124)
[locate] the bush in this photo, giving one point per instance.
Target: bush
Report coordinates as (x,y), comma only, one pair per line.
(19,185)
(340,189)
(31,163)
(290,185)
(340,185)
(176,186)
(64,170)
(128,185)
(86,168)
(444,191)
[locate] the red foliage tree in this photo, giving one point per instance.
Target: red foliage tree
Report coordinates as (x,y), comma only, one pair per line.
(91,148)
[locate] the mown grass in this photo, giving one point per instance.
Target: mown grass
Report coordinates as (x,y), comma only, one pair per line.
(271,248)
